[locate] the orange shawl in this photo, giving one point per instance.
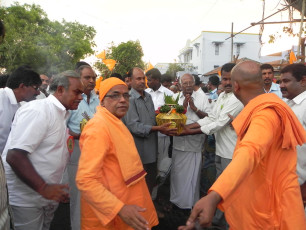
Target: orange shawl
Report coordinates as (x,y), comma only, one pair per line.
(127,154)
(292,130)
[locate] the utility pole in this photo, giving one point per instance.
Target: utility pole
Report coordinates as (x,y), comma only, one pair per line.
(300,34)
(232,43)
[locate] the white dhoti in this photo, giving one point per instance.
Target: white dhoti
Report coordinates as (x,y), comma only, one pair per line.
(185,178)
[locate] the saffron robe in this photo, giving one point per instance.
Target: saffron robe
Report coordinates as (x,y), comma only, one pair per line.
(259,187)
(110,174)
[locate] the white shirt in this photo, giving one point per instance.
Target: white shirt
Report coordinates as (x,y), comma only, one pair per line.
(41,95)
(158,96)
(192,143)
(39,127)
(298,105)
(8,108)
(218,122)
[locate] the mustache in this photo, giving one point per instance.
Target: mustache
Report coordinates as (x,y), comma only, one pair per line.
(228,85)
(283,89)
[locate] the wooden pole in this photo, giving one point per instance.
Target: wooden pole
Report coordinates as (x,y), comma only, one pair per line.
(232,42)
(260,23)
(301,30)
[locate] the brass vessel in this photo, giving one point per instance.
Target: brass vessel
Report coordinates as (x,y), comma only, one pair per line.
(177,120)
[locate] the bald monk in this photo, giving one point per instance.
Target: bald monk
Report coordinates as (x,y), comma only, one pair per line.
(114,194)
(259,188)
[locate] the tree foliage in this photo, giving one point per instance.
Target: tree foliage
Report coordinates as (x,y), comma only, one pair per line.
(127,55)
(47,46)
(174,68)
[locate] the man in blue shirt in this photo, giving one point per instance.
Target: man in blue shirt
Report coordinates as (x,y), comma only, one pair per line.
(87,106)
(268,76)
(212,86)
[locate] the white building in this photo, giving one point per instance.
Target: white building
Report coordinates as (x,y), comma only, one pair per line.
(162,67)
(212,49)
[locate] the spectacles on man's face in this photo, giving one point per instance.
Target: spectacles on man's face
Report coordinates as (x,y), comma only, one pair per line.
(35,87)
(117,96)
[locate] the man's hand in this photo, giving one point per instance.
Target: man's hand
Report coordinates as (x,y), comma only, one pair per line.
(57,192)
(186,100)
(130,215)
(192,106)
(203,211)
(170,132)
(186,130)
(164,128)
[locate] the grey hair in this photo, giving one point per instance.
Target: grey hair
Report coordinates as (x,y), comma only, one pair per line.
(186,74)
(62,79)
(80,69)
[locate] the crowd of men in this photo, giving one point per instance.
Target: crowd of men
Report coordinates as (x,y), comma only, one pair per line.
(250,129)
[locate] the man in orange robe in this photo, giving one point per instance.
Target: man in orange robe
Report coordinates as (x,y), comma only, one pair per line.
(114,194)
(259,189)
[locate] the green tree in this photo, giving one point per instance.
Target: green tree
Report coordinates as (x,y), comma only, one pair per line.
(47,46)
(127,55)
(173,68)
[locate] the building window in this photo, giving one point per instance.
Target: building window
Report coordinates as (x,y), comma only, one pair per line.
(197,46)
(217,47)
(238,49)
(188,56)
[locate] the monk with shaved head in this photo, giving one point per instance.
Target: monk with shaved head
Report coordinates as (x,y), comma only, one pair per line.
(259,189)
(246,81)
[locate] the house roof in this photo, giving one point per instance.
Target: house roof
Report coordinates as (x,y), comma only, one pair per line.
(278,64)
(276,54)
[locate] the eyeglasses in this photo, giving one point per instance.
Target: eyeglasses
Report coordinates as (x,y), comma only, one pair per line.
(126,96)
(35,87)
